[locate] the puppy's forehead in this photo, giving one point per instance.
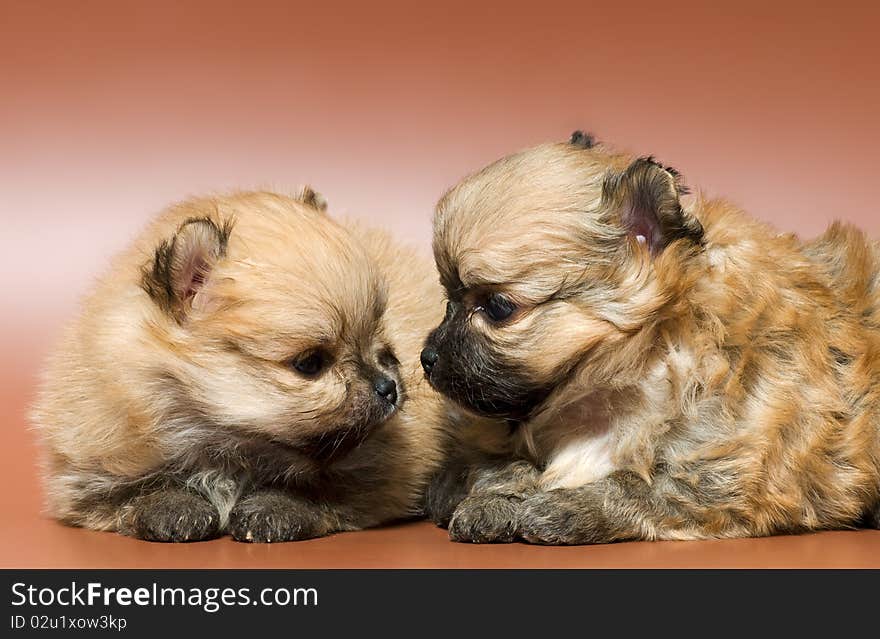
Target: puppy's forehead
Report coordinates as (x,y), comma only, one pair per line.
(344,296)
(498,225)
(310,271)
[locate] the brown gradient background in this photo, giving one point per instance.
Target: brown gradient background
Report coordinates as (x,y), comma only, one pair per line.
(110,110)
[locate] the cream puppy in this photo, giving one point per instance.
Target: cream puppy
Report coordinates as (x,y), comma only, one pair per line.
(248,366)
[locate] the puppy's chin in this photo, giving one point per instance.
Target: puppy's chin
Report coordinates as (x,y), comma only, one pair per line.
(510,399)
(332,446)
(335,444)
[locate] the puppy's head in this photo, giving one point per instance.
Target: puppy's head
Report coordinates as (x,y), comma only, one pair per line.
(557,262)
(272,315)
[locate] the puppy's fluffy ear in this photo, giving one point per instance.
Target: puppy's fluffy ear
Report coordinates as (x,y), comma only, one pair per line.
(308,195)
(182,264)
(580,138)
(646,198)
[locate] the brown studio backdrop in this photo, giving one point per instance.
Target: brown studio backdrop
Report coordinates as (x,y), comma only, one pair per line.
(110,110)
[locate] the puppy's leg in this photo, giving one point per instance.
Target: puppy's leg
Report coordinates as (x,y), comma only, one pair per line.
(155,508)
(464,475)
(872,518)
(272,515)
(623,506)
(169,514)
(490,513)
(446,490)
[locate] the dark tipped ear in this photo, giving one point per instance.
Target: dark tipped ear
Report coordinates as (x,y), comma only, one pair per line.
(586,140)
(181,264)
(308,195)
(646,197)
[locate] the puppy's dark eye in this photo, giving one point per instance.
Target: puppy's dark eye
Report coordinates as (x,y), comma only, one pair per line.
(498,308)
(310,363)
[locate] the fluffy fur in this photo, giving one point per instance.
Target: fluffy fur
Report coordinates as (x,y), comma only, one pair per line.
(670,368)
(225,377)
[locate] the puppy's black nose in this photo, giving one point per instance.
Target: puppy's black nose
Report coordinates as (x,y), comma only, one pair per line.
(386,389)
(429,358)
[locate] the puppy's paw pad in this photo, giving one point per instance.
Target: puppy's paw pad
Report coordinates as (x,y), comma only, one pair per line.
(483,519)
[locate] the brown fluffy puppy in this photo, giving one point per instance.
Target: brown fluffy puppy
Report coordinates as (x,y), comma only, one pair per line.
(670,370)
(249,366)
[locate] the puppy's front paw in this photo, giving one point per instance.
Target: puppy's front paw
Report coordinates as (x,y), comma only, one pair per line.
(170,515)
(272,516)
(563,517)
(484,519)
